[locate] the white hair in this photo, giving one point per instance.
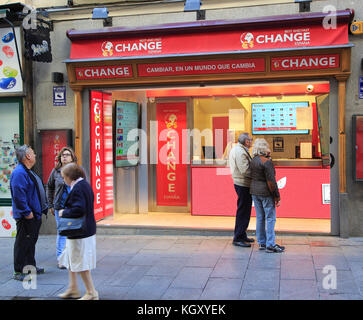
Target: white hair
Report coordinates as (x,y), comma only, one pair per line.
(260,148)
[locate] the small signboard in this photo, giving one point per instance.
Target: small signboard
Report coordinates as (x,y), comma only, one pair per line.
(357,27)
(278,144)
(360,87)
(59,96)
(326,193)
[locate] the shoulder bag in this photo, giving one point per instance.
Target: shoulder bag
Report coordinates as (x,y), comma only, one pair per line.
(72,227)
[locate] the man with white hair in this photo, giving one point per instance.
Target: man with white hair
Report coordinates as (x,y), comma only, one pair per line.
(239,162)
(29,202)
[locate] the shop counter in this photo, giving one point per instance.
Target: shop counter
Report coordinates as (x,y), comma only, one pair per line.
(301,189)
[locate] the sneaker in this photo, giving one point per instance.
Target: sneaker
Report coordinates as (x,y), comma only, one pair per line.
(19,276)
(275,249)
(40,270)
(262,247)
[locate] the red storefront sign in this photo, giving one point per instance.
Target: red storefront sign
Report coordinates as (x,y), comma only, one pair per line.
(171,173)
(330,61)
(213,41)
(201,67)
(108,151)
(96,152)
(104,72)
(52,143)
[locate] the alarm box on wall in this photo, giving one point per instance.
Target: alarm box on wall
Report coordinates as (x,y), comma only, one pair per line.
(357,133)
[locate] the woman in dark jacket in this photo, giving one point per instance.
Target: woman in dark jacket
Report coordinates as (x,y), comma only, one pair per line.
(79,255)
(265,195)
(57,192)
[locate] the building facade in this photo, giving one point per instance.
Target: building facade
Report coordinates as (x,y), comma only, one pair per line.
(160,70)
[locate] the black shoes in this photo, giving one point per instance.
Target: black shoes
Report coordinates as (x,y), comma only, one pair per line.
(241,244)
(275,249)
(250,240)
(20,276)
(40,270)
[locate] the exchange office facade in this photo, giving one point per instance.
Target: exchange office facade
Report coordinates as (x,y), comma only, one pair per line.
(285,84)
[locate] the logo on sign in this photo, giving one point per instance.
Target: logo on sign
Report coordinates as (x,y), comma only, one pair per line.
(247,40)
(171,121)
(97,112)
(107,48)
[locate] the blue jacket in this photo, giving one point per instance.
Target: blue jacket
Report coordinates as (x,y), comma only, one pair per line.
(25,198)
(80,203)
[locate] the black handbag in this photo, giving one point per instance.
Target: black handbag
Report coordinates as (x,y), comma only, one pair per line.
(72,227)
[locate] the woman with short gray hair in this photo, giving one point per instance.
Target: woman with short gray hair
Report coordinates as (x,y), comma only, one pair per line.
(265,195)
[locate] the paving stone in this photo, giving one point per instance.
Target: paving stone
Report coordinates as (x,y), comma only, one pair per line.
(233,252)
(11,288)
(199,259)
(298,290)
(261,279)
(222,289)
(41,290)
(112,292)
(127,276)
(338,261)
(230,268)
(144,259)
(259,294)
(304,269)
(345,282)
(159,244)
(297,252)
(263,260)
(192,277)
(149,288)
(182,294)
(339,296)
(169,267)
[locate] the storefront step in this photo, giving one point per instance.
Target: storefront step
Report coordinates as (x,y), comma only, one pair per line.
(185,224)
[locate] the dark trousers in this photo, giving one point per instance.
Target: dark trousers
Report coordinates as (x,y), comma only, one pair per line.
(27,231)
(243,215)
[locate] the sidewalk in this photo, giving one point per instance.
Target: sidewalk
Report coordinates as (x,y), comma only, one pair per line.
(201,267)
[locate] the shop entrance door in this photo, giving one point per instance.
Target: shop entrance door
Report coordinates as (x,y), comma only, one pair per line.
(169,167)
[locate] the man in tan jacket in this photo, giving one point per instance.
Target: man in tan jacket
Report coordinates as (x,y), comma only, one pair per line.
(239,162)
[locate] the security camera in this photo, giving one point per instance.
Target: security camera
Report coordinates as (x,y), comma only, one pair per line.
(310,88)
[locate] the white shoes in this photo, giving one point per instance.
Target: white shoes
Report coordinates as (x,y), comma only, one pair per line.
(70,294)
(89,296)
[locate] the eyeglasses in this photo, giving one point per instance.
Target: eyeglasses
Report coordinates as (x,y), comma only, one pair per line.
(66,155)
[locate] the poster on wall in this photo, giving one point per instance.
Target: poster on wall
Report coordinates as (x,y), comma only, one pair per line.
(171,173)
(9,141)
(7,223)
(127,120)
(10,75)
(52,142)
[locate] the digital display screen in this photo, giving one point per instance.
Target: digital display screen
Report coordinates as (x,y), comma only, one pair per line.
(276,118)
(127,119)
